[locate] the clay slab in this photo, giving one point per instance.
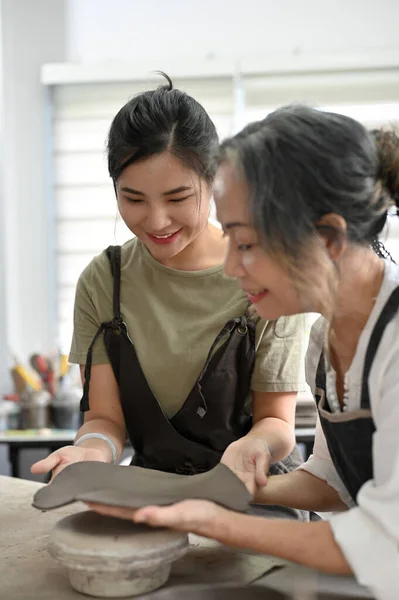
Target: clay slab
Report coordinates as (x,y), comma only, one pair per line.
(134,487)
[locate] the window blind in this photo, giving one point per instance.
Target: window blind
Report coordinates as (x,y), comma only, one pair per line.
(83,195)
(85,207)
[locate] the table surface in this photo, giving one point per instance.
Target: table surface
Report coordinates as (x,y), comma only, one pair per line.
(27,571)
(37,435)
(68,435)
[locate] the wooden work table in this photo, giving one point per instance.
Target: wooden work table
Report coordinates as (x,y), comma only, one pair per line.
(27,571)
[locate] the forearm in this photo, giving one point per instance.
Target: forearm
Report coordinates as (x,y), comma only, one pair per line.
(301,490)
(278,434)
(309,544)
(108,428)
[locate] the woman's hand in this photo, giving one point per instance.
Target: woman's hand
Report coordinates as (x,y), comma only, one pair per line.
(192,516)
(58,460)
(249,458)
(310,544)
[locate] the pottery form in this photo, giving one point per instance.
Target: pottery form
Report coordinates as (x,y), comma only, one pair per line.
(113,558)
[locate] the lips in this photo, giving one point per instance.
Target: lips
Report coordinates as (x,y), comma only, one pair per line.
(255,296)
(164,239)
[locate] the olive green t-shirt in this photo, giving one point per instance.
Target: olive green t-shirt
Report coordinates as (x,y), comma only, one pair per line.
(173,317)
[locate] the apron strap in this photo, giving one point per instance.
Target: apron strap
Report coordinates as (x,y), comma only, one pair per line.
(84,403)
(114,257)
(321,372)
(242,323)
(247,310)
(389,311)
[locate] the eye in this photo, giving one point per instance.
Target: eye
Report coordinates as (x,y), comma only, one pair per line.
(244,247)
(134,200)
(177,200)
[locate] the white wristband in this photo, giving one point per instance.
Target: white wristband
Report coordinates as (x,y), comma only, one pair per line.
(99,436)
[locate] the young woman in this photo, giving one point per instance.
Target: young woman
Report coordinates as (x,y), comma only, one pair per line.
(319,187)
(170,348)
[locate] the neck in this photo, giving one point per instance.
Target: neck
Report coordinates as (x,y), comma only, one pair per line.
(207,250)
(360,280)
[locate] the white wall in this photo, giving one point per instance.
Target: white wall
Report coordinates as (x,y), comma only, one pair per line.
(144,29)
(32,33)
(154,33)
(3,320)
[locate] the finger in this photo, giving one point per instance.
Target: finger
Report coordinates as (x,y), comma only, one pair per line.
(57,470)
(47,464)
(113,511)
(156,516)
(260,470)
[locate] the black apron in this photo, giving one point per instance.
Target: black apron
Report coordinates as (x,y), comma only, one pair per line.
(349,435)
(213,415)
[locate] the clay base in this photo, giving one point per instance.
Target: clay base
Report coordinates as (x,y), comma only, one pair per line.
(118,584)
(112,558)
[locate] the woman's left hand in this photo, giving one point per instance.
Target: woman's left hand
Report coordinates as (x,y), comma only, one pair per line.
(249,458)
(193,516)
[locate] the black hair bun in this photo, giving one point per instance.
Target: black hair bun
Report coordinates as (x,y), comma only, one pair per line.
(169,85)
(387,143)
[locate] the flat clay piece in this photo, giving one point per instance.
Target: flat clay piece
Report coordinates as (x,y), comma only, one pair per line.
(135,487)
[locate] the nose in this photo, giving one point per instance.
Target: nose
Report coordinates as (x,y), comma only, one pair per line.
(157,218)
(233,263)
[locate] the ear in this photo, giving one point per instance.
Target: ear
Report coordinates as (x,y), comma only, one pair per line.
(333,232)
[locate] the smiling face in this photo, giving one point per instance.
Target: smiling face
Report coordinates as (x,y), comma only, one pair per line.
(261,276)
(164,204)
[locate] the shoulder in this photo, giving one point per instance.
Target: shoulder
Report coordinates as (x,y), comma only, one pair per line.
(391,273)
(98,269)
(288,328)
(130,252)
(292,326)
(98,272)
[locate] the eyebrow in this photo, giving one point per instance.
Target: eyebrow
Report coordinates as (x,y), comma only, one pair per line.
(182,188)
(178,190)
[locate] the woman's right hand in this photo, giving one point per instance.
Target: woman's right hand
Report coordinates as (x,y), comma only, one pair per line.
(58,460)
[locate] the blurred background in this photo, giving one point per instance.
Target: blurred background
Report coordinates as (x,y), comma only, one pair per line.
(67,66)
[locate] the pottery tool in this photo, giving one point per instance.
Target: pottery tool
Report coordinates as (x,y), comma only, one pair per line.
(44,368)
(24,379)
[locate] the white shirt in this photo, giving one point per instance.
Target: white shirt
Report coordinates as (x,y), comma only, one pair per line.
(368,534)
